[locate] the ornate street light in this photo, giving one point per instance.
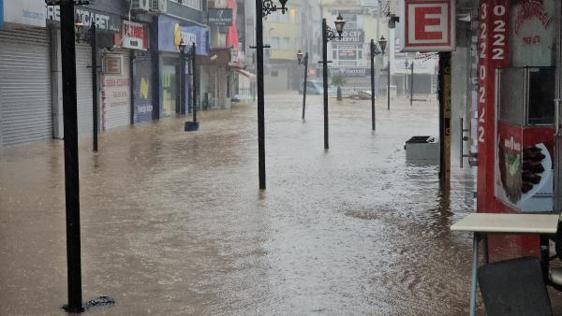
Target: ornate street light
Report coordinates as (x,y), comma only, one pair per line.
(300,55)
(328,34)
(263,9)
(374,52)
(382,44)
(303,59)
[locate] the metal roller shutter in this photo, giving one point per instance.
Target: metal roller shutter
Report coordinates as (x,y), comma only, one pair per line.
(84,89)
(25,86)
(116,94)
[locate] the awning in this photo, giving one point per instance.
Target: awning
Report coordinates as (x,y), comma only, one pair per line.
(245,73)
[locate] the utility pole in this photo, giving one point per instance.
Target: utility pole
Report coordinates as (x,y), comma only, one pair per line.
(194,70)
(325,82)
(373,89)
(261,99)
(304,86)
(72,182)
(95,101)
(412,83)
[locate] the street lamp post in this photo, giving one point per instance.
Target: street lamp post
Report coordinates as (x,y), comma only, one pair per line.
(303,59)
(382,44)
(374,52)
(263,9)
(189,53)
(328,35)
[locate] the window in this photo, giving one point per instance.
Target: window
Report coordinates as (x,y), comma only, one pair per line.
(195,4)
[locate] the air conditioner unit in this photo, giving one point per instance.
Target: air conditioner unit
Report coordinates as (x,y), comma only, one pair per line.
(159,6)
(140,5)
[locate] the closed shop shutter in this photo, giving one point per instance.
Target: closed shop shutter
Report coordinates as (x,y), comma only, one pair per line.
(116,93)
(84,89)
(25,86)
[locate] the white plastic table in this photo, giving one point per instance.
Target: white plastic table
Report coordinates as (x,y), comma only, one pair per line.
(482,224)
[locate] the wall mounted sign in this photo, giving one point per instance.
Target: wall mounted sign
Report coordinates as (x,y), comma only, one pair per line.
(353,36)
(133,36)
(112,64)
(220,17)
(430,25)
(104,21)
(1,13)
(170,32)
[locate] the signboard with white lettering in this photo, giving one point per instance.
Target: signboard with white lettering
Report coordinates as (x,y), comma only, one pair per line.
(25,12)
(105,22)
(430,25)
(133,36)
(220,17)
(353,36)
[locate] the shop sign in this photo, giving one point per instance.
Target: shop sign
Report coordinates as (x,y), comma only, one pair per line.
(112,64)
(220,17)
(133,36)
(170,34)
(353,36)
(25,12)
(1,13)
(354,72)
(104,21)
(430,25)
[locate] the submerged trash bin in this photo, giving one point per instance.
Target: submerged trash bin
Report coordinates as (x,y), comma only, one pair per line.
(422,148)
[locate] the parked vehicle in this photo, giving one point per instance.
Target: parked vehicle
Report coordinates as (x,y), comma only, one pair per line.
(315,87)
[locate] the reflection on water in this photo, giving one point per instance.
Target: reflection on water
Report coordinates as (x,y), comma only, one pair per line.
(173,223)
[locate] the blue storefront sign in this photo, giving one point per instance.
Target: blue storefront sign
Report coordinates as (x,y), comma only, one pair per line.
(170,32)
(1,13)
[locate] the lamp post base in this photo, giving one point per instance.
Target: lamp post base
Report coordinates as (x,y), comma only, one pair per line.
(191,126)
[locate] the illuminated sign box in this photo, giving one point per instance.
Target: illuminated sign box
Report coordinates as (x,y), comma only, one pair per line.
(430,25)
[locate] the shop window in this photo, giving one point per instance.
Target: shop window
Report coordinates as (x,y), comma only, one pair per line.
(275,73)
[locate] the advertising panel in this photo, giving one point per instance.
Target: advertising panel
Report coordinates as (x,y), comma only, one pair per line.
(142,90)
(220,17)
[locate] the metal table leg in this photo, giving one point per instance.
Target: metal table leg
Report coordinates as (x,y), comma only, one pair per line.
(475,239)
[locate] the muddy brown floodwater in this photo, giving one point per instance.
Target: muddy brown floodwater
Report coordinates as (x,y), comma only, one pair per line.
(174,223)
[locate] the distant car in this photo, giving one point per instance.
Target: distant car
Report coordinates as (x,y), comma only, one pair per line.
(316,87)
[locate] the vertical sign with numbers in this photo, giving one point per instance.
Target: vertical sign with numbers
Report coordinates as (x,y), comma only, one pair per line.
(493,54)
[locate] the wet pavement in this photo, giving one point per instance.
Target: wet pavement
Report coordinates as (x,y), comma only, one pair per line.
(174,224)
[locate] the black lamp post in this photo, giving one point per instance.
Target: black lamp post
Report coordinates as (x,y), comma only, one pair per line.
(263,9)
(374,52)
(303,59)
(382,44)
(188,53)
(328,35)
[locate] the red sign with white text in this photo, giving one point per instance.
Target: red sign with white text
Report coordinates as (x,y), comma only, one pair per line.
(430,25)
(133,36)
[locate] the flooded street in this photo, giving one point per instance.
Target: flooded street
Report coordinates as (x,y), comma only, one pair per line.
(174,224)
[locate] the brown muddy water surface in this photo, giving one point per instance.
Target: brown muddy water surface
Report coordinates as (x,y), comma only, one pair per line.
(173,223)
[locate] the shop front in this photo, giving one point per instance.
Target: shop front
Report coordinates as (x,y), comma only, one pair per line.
(170,33)
(90,88)
(518,113)
(127,90)
(25,84)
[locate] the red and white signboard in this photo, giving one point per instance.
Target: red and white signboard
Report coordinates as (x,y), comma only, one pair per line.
(133,36)
(430,25)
